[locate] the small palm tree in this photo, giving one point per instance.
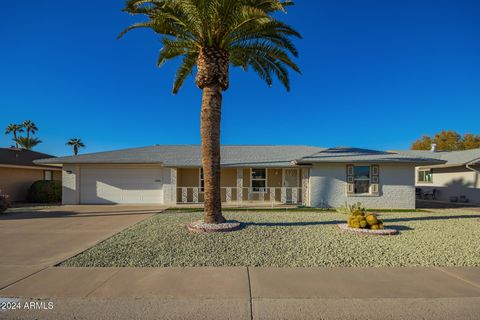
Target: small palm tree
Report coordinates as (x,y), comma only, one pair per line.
(30,127)
(212,35)
(76,144)
(27,143)
(14,128)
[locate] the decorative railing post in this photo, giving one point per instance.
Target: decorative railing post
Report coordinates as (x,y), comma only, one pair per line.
(228,194)
(173,185)
(250,194)
(239,185)
(272,195)
(294,195)
(261,195)
(184,195)
(305,173)
(283,196)
(195,195)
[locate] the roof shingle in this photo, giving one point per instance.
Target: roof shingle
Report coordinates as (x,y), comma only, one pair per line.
(239,156)
(357,155)
(451,158)
(20,157)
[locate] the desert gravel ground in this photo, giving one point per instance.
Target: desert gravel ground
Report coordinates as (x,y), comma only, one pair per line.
(293,239)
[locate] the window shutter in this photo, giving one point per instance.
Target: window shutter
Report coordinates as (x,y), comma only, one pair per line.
(350,182)
(375,180)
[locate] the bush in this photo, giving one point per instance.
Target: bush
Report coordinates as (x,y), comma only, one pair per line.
(350,208)
(361,220)
(45,192)
(4,203)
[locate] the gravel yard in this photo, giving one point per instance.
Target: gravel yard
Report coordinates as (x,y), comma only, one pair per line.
(292,239)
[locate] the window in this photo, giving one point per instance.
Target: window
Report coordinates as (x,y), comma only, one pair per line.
(47,175)
(259,180)
(361,179)
(425,175)
(202,181)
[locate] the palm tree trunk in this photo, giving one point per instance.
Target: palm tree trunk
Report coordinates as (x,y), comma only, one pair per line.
(210,131)
(75,150)
(15,139)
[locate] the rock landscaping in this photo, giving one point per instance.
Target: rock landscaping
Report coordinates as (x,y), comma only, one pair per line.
(377,232)
(201,226)
(292,239)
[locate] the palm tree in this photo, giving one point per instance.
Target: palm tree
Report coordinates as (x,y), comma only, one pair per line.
(14,128)
(30,127)
(211,35)
(27,143)
(76,144)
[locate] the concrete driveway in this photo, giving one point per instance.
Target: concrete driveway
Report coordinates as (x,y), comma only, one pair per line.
(31,241)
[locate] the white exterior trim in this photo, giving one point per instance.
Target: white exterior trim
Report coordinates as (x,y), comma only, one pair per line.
(29,167)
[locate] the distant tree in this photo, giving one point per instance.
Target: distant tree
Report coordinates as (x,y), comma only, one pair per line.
(471,141)
(424,143)
(448,140)
(27,143)
(14,128)
(30,126)
(76,144)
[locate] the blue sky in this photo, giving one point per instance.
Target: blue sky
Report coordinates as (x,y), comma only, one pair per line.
(376,74)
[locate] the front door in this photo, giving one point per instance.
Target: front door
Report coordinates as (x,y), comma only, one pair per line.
(290,181)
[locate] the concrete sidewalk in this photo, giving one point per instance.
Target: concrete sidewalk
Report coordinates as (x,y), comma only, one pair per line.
(250,293)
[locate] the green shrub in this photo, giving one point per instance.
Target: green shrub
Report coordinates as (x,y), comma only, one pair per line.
(4,203)
(351,208)
(45,192)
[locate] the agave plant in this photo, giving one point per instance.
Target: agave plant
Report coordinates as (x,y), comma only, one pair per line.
(350,208)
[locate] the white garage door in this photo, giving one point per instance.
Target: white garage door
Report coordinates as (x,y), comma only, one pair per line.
(121,185)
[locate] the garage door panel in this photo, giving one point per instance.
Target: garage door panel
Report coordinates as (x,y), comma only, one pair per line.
(121,185)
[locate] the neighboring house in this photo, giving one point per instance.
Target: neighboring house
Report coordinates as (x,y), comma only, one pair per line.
(18,172)
(458,179)
(301,175)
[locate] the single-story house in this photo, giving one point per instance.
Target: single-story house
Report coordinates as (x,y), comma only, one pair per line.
(456,180)
(18,172)
(303,175)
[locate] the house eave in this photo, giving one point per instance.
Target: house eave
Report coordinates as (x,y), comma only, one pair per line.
(413,163)
(32,167)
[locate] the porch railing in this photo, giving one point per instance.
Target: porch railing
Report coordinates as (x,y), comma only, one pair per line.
(235,195)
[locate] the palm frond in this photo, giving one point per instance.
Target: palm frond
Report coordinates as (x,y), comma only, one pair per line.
(184,71)
(248,30)
(27,143)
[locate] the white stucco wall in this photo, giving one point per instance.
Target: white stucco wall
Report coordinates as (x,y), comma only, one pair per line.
(170,186)
(454,181)
(70,184)
(397,187)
